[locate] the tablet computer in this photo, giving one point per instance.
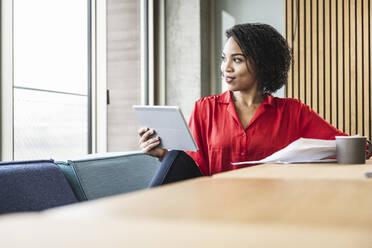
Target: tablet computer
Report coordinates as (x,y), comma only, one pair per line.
(169,124)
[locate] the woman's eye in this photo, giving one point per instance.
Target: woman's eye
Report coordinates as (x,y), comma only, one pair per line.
(222,58)
(237,60)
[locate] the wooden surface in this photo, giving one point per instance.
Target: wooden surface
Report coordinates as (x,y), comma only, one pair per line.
(165,233)
(277,205)
(315,203)
(208,212)
(331,43)
(305,171)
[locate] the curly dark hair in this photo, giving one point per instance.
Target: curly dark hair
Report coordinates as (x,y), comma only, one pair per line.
(266,50)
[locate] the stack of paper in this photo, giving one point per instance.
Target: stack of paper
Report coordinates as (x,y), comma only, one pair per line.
(300,151)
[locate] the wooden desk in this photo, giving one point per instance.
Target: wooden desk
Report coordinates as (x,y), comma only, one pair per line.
(207,212)
(305,171)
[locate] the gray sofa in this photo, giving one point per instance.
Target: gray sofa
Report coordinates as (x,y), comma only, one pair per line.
(38,185)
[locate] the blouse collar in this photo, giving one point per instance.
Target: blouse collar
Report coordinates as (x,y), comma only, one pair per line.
(226,98)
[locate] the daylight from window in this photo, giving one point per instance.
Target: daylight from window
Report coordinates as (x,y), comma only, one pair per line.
(50,79)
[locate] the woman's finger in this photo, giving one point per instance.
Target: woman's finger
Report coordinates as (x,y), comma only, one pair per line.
(151,146)
(142,130)
(146,136)
(149,142)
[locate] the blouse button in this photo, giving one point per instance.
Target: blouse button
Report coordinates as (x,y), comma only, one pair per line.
(242,154)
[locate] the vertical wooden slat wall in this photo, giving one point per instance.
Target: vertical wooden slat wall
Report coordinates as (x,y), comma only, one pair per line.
(331,42)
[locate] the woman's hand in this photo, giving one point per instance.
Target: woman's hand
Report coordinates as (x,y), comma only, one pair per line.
(148,145)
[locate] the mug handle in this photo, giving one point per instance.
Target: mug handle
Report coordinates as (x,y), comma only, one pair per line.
(369,149)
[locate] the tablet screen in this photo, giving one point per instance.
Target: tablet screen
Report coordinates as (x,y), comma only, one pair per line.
(169,124)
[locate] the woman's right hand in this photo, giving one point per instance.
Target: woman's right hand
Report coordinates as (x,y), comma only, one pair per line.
(149,145)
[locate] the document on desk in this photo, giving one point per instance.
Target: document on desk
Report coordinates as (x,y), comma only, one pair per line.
(301,151)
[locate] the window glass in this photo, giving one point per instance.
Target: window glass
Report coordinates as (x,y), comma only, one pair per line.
(50,78)
(49,125)
(50,44)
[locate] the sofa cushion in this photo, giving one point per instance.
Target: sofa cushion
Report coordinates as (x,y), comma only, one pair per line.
(32,186)
(109,174)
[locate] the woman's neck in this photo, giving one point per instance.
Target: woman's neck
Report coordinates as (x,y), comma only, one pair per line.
(250,98)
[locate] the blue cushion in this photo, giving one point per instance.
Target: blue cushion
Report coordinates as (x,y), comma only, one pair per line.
(32,186)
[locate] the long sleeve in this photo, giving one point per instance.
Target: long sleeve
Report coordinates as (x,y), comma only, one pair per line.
(314,126)
(196,127)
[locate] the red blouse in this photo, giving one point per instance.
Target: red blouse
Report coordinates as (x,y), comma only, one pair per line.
(222,139)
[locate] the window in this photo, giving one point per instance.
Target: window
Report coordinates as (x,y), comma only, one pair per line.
(52,82)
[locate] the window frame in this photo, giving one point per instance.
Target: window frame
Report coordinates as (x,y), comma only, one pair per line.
(97,129)
(6,70)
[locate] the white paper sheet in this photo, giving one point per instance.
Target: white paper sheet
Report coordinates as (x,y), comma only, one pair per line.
(300,151)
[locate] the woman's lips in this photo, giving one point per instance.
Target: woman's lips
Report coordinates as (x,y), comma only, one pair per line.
(229,79)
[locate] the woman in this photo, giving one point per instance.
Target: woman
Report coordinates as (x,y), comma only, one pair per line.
(245,123)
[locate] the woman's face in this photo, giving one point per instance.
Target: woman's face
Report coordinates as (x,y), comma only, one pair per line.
(236,69)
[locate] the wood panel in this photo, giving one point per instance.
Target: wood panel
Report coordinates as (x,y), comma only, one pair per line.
(352,68)
(346,95)
(334,57)
(340,64)
(320,57)
(308,74)
(332,43)
(295,48)
(366,79)
(302,50)
(359,70)
(289,29)
(314,50)
(327,61)
(370,69)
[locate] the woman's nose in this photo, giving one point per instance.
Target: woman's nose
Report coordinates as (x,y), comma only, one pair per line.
(226,66)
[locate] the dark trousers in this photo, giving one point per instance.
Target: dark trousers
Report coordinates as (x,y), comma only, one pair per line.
(176,166)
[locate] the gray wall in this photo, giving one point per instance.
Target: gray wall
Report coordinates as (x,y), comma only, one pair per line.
(187,60)
(123,73)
